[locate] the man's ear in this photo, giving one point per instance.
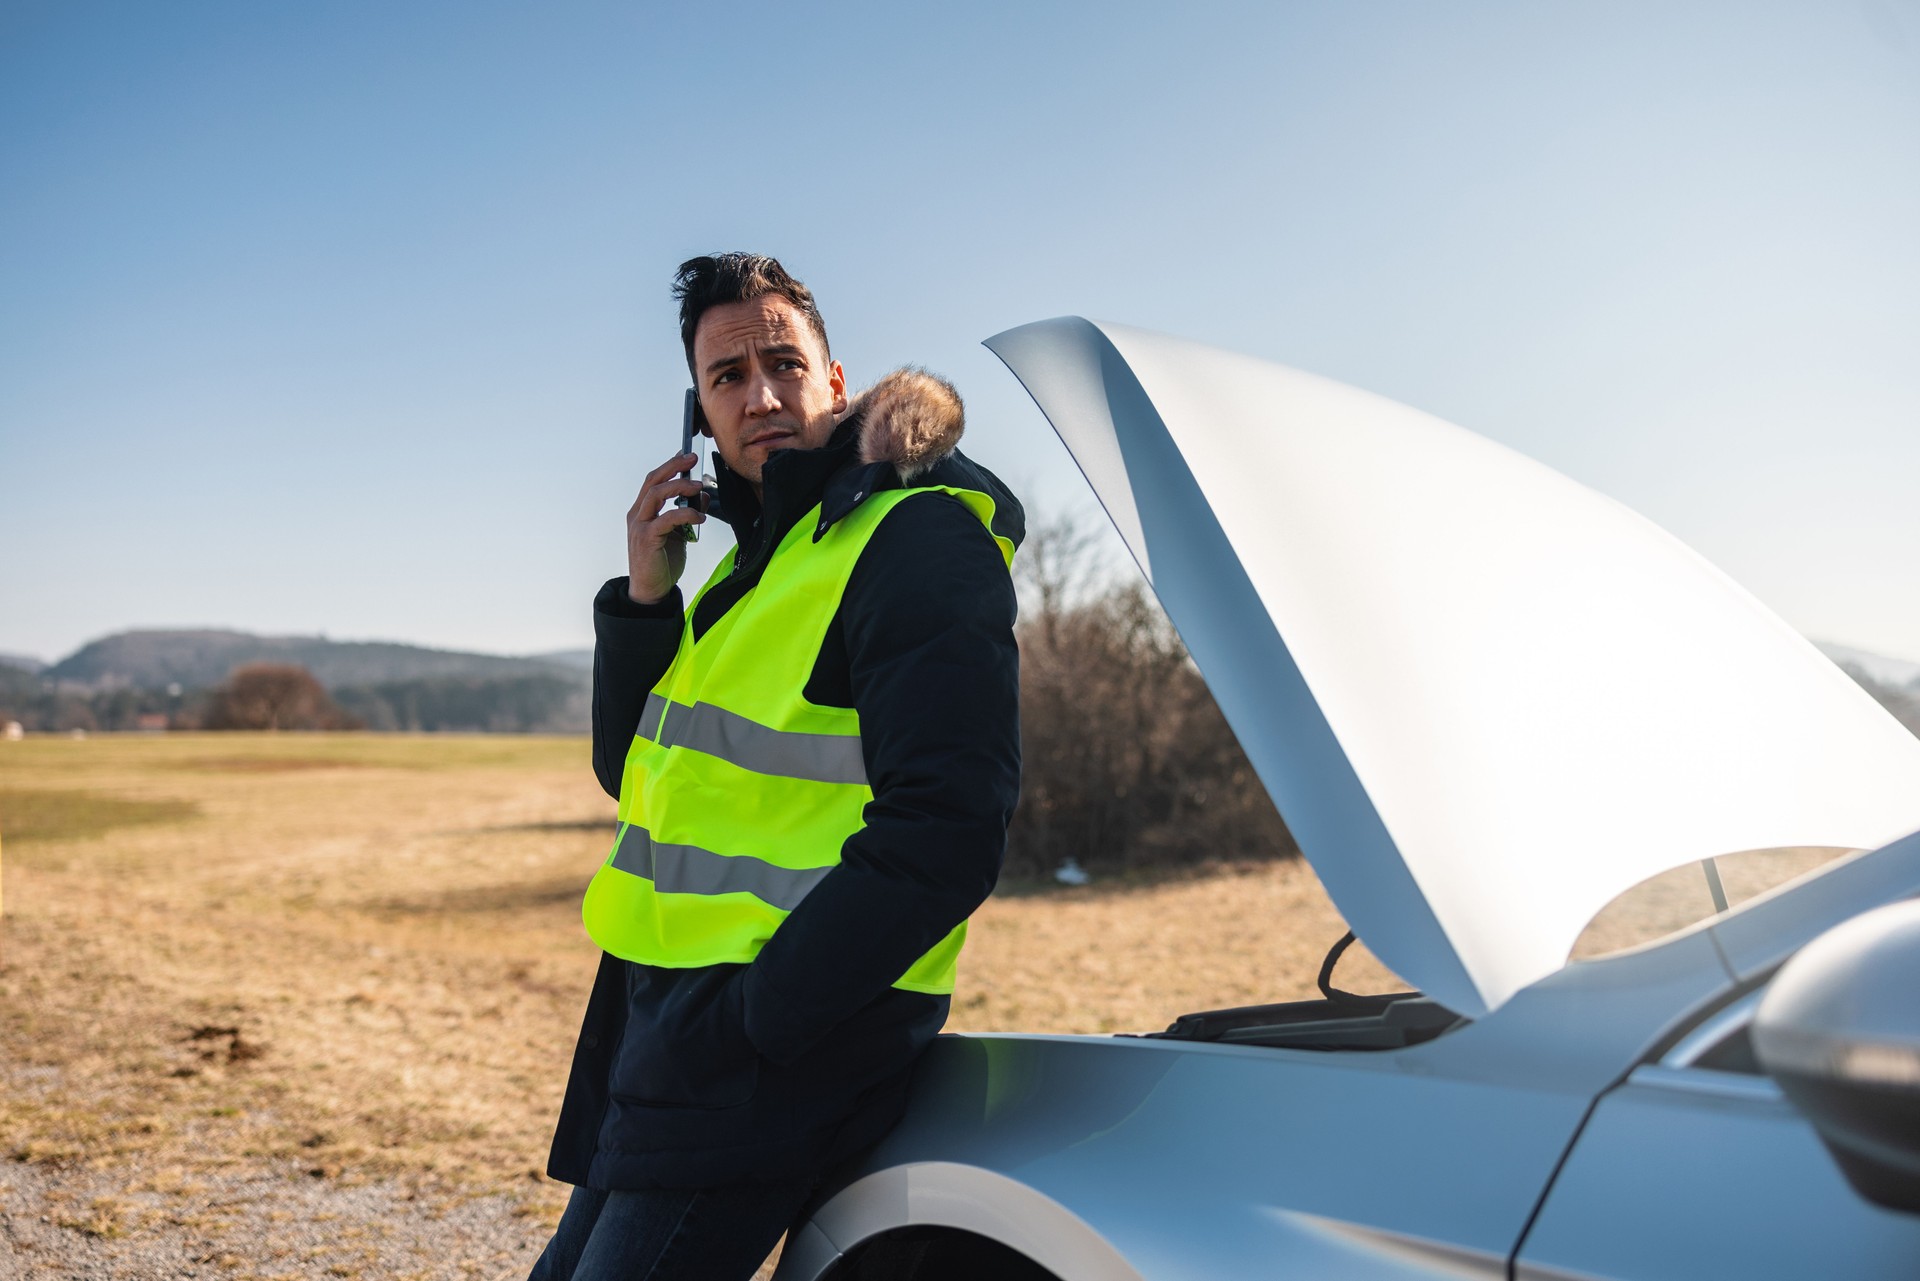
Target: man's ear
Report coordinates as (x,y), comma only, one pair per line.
(837,379)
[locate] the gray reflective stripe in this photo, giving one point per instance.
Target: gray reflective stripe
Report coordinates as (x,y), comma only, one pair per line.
(818,758)
(650,717)
(688,869)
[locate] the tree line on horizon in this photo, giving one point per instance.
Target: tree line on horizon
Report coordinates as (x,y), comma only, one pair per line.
(1128,762)
(287,696)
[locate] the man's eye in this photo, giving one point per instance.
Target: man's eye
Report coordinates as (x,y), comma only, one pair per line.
(726,376)
(789,363)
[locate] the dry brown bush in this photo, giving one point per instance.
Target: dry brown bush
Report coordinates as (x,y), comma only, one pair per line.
(1127,762)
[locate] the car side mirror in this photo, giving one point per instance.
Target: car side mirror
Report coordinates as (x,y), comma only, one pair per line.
(1839,1029)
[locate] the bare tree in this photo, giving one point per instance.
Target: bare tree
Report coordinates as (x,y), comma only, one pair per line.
(1060,565)
(1127,761)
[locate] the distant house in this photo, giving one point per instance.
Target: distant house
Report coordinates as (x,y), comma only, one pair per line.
(150,722)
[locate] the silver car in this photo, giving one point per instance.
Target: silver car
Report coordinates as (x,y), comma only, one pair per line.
(1488,702)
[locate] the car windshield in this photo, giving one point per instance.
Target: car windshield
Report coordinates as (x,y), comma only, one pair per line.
(1684,896)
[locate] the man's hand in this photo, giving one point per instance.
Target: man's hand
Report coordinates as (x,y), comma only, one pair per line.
(656,552)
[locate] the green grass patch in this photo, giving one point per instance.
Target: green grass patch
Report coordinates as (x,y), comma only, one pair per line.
(238,753)
(66,815)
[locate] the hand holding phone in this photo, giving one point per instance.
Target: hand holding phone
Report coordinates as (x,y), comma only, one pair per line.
(662,518)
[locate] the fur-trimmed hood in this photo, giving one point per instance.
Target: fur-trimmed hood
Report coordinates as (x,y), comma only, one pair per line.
(909,418)
(902,431)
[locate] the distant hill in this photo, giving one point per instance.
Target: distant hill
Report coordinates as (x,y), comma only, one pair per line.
(196,659)
(577,658)
(1893,682)
(139,679)
(1896,672)
(28,663)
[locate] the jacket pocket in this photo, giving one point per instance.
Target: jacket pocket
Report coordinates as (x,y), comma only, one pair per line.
(685,1044)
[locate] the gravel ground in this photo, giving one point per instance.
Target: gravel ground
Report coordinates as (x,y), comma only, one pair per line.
(136,1224)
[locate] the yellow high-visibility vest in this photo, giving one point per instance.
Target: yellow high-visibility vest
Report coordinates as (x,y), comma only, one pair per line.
(738,793)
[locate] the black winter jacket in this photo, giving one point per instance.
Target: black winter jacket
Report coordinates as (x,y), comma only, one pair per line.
(743,1073)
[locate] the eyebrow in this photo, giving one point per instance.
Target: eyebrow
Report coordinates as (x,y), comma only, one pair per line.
(772,349)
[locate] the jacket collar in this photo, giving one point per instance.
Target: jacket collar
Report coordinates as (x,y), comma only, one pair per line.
(902,428)
(791,481)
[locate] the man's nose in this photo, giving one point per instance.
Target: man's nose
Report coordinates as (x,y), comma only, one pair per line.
(761,399)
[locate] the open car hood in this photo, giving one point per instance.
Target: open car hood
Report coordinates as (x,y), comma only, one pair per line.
(1486,699)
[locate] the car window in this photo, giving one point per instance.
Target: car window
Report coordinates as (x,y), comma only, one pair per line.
(1732,1053)
(1675,899)
(1720,1042)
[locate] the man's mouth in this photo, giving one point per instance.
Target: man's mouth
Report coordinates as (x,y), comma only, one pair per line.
(771,435)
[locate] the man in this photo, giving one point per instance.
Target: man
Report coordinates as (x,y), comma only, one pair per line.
(816,760)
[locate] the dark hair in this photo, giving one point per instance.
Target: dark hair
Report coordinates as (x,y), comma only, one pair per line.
(717,279)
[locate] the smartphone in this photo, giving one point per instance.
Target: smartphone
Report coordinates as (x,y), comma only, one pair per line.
(689,423)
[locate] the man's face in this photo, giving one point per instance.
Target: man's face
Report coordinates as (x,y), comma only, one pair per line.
(765,382)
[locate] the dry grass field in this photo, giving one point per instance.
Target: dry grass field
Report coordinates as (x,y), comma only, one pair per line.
(302,1005)
(297,975)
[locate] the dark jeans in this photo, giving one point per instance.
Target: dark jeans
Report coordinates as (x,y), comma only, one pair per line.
(669,1234)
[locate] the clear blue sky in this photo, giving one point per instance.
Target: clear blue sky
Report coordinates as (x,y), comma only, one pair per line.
(352,318)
